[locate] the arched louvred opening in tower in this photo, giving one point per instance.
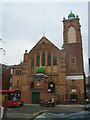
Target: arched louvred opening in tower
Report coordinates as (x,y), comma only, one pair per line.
(38,60)
(49,59)
(71,35)
(43,58)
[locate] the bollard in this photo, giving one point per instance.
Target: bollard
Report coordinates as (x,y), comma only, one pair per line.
(1,112)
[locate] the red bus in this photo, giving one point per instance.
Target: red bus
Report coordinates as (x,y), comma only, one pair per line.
(14,97)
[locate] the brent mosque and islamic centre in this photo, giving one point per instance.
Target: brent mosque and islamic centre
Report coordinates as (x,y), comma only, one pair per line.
(47,71)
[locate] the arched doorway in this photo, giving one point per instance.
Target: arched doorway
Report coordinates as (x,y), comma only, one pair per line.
(73,98)
(51,86)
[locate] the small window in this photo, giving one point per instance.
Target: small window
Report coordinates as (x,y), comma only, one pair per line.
(73,90)
(16,72)
(72,60)
(20,72)
(73,63)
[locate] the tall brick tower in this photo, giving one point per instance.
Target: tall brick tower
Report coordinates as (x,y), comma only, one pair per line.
(74,56)
(73,45)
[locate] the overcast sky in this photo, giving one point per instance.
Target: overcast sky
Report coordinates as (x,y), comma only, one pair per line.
(23,25)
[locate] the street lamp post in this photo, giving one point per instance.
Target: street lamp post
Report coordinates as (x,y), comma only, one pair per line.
(64,96)
(81,97)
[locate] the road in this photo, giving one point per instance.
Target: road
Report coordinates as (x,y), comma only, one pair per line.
(31,111)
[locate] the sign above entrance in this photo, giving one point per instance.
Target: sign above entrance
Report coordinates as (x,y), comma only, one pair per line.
(38,83)
(49,90)
(76,77)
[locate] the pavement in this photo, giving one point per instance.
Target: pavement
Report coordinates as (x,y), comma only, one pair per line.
(60,105)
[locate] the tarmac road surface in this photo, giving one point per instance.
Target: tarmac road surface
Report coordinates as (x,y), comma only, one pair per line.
(31,111)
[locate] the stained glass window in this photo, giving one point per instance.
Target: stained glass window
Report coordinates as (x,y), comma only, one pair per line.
(32,65)
(43,59)
(38,60)
(49,59)
(55,61)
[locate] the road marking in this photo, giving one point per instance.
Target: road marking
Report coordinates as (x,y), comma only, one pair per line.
(37,113)
(28,117)
(28,114)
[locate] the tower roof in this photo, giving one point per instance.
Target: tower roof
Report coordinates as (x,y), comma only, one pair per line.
(71,15)
(40,70)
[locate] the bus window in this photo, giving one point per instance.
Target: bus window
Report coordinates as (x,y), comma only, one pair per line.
(10,95)
(2,93)
(17,95)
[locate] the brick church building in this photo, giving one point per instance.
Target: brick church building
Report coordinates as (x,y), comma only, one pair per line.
(47,71)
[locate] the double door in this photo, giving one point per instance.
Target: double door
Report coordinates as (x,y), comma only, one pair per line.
(35,97)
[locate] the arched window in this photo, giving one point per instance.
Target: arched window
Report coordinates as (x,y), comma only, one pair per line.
(43,59)
(71,35)
(73,63)
(49,59)
(32,65)
(38,60)
(51,87)
(54,60)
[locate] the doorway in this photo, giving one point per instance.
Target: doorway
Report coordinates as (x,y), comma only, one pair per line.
(35,97)
(73,98)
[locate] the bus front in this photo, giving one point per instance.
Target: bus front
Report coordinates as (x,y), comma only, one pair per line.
(14,98)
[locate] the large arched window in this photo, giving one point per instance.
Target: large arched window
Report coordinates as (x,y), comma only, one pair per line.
(54,60)
(38,60)
(32,65)
(43,59)
(71,35)
(49,59)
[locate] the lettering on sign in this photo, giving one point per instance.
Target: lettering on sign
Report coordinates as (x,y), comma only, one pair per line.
(76,77)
